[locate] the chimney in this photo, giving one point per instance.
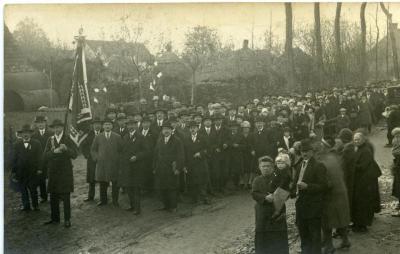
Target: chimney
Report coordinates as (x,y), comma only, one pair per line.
(245,44)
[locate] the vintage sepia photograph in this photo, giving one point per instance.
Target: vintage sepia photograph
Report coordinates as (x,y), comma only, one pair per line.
(201,128)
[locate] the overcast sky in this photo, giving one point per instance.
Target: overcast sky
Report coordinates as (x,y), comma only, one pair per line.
(170,22)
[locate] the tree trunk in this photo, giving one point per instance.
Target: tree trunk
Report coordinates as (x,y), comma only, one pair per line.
(376,44)
(364,66)
(192,89)
(318,41)
(338,44)
(289,47)
(392,32)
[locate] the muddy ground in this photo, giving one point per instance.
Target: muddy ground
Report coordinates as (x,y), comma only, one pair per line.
(225,226)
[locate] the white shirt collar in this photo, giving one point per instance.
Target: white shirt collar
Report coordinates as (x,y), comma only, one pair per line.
(58,137)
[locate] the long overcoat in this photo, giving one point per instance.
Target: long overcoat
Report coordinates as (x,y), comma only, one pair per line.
(336,212)
(43,141)
(167,157)
(61,179)
(133,173)
(26,162)
(107,154)
(366,191)
(90,163)
(197,167)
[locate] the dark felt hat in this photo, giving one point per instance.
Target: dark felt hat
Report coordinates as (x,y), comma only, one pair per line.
(40,119)
(131,121)
(56,122)
(108,120)
(193,123)
(26,128)
(217,117)
(97,120)
(166,124)
(163,110)
(146,119)
(306,145)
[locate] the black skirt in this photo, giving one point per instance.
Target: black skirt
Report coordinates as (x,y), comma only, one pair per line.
(271,242)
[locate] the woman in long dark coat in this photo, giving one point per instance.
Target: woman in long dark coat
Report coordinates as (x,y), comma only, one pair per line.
(271,230)
(366,190)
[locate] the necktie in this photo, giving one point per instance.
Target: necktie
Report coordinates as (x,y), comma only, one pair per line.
(159,123)
(41,132)
(166,140)
(208,131)
(194,138)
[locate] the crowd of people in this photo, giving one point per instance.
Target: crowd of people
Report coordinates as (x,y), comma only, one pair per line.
(312,147)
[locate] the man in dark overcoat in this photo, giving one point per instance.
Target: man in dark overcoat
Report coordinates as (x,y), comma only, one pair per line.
(150,139)
(42,134)
(168,163)
(196,164)
(264,143)
(311,185)
(132,175)
(26,167)
(106,151)
(366,197)
(90,163)
(220,161)
(59,152)
(235,142)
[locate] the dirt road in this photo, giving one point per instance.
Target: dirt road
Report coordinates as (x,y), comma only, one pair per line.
(226,226)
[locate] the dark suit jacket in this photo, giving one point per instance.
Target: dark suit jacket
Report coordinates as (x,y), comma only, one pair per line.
(197,167)
(282,144)
(60,174)
(43,140)
(26,161)
(168,157)
(90,163)
(132,172)
(310,200)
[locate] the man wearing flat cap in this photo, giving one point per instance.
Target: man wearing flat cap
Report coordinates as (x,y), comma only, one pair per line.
(310,187)
(26,167)
(42,134)
(96,128)
(58,155)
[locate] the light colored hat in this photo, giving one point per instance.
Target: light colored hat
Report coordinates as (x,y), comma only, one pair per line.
(264,110)
(342,109)
(284,102)
(283,157)
(245,124)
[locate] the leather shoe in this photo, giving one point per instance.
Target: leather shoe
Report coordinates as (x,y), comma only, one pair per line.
(101,204)
(67,224)
(25,209)
(51,222)
(130,209)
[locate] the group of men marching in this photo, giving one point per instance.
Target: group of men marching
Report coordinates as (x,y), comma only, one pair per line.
(181,152)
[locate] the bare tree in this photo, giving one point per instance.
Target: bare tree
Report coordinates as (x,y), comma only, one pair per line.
(318,42)
(392,28)
(364,65)
(376,43)
(289,46)
(338,44)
